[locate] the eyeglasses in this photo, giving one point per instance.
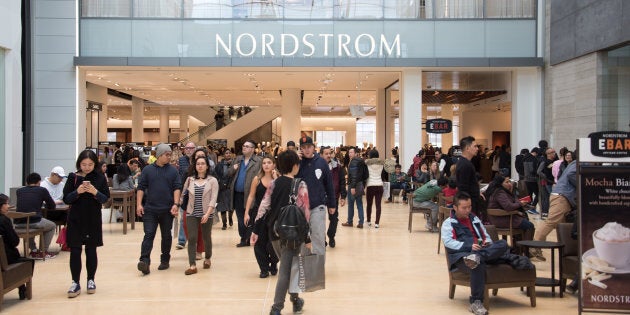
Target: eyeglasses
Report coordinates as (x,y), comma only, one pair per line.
(248,146)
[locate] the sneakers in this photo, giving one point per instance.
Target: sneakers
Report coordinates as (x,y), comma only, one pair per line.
(544,216)
(75,290)
(376,226)
(91,287)
(274,311)
(35,254)
(144,267)
(533,211)
(179,246)
(472,261)
(477,308)
(536,254)
(369,224)
(298,304)
(50,255)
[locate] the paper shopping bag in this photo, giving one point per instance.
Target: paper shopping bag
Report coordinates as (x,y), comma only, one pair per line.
(307,273)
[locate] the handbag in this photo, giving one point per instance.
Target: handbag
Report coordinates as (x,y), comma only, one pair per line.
(307,273)
(62,239)
(185,196)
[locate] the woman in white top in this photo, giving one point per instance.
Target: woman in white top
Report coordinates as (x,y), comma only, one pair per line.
(374,185)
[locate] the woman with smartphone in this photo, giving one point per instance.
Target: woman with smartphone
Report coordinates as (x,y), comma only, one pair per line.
(85,191)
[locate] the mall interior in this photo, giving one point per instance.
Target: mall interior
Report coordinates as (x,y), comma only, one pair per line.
(78,74)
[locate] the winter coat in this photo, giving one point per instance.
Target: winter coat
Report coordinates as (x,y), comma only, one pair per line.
(85,226)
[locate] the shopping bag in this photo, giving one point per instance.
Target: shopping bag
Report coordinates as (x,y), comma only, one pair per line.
(307,273)
(386,188)
(61,239)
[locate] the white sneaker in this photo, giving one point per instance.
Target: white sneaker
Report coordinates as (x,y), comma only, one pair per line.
(369,224)
(376,226)
(477,308)
(472,261)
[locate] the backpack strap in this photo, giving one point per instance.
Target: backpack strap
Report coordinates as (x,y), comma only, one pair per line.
(295,185)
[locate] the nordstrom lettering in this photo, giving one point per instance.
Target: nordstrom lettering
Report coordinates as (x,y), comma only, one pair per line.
(308,45)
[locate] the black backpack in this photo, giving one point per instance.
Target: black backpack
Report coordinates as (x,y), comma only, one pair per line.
(291,226)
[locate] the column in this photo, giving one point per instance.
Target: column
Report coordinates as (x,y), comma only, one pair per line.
(137,119)
(183,126)
(425,135)
(410,115)
(527,110)
(390,127)
(291,115)
(447,138)
(381,116)
(164,121)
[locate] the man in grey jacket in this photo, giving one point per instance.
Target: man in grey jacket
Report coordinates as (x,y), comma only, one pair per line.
(242,171)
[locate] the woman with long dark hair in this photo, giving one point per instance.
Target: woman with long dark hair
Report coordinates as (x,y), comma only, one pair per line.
(85,191)
(500,194)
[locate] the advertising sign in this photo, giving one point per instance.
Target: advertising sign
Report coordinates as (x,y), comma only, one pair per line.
(604,216)
(439,126)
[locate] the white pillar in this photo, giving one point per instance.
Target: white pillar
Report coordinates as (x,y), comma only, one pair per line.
(447,138)
(389,124)
(291,113)
(527,109)
(183,126)
(164,124)
(381,117)
(425,135)
(137,119)
(410,115)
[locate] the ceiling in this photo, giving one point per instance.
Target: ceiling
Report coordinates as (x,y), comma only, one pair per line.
(327,92)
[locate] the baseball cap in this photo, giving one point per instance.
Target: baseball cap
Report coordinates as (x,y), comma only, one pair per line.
(290,144)
(308,140)
(59,171)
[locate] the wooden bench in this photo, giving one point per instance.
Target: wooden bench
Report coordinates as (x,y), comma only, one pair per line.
(412,210)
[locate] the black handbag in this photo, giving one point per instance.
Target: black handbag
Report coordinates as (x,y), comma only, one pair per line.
(185,200)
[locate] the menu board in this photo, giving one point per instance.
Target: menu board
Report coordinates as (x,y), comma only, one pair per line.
(605,238)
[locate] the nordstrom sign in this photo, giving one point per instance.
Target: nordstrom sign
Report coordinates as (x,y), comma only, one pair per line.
(307,45)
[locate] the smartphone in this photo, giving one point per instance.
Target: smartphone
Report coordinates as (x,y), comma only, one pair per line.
(86,182)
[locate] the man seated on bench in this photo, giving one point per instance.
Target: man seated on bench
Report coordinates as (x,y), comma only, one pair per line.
(470,249)
(30,199)
(423,198)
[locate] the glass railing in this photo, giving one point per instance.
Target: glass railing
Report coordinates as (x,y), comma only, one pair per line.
(309,9)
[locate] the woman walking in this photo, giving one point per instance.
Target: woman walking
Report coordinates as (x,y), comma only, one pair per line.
(202,192)
(224,188)
(265,256)
(85,191)
(374,191)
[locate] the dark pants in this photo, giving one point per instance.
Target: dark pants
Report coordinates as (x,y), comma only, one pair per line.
(532,188)
(489,256)
(545,192)
(239,205)
(265,255)
(334,220)
(91,262)
(398,185)
(151,220)
(374,193)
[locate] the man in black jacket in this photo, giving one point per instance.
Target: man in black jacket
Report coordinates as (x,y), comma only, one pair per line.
(466,174)
(30,199)
(357,175)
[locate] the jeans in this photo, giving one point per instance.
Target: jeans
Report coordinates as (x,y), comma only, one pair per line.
(434,210)
(151,220)
(193,223)
(359,201)
(49,232)
(317,226)
(374,193)
(284,274)
(488,256)
(181,235)
(398,185)
(544,190)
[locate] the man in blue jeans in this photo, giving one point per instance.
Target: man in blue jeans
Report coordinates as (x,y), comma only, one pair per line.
(161,185)
(357,174)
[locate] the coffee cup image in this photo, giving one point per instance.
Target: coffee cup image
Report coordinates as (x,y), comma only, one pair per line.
(612,244)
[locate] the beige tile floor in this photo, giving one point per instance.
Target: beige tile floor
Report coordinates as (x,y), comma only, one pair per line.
(371,271)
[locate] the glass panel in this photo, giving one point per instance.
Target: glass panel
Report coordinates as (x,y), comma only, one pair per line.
(105,8)
(157,8)
(366,131)
(329,138)
(308,9)
(3,118)
(156,38)
(408,9)
(458,9)
(360,9)
(510,8)
(257,9)
(613,112)
(214,9)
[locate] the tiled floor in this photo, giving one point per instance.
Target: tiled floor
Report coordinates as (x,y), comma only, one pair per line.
(371,271)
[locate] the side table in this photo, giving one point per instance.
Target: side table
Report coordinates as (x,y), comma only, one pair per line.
(548,282)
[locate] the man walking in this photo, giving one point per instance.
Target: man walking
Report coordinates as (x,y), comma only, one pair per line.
(321,193)
(184,164)
(338,173)
(242,171)
(160,184)
(357,175)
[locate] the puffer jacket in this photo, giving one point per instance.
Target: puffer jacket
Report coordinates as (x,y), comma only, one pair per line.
(375,168)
